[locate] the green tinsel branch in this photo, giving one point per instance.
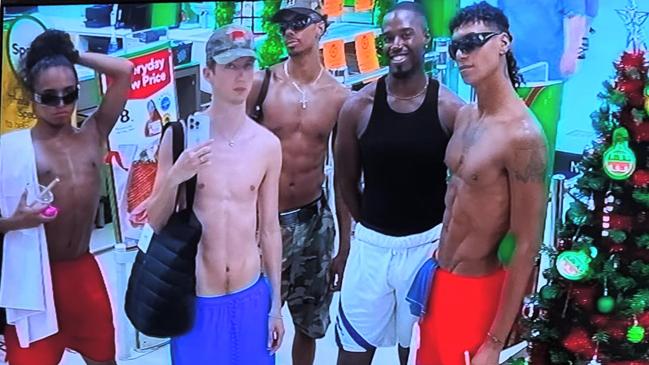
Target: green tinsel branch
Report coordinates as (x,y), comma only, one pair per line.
(642,196)
(272,49)
(642,241)
(381,8)
(617,236)
(224,13)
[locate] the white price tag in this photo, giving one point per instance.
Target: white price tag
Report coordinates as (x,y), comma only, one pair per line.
(145,238)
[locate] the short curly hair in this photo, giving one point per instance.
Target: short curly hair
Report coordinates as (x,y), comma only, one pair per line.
(489,15)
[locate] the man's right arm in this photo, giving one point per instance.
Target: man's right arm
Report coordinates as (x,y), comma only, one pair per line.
(170,175)
(162,201)
(347,156)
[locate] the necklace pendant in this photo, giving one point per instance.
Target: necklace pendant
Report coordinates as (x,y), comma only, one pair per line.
(231,143)
(304,101)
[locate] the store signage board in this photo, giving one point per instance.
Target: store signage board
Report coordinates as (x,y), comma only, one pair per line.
(133,142)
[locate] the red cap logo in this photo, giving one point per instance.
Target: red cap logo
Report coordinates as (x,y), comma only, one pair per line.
(238,35)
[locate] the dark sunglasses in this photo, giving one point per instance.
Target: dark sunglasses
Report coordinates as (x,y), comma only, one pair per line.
(297,24)
(56,100)
(470,42)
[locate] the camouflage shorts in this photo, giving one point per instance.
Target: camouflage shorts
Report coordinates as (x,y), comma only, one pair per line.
(308,239)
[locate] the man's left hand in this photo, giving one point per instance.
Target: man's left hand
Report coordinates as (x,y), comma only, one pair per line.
(488,354)
(275,332)
(337,270)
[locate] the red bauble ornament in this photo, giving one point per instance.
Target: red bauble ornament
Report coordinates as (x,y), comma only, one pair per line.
(584,296)
(599,320)
(579,342)
(620,222)
(640,178)
(617,333)
(631,86)
(632,362)
(631,60)
(639,132)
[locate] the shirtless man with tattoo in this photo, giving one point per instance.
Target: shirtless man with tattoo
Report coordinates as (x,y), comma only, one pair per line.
(498,161)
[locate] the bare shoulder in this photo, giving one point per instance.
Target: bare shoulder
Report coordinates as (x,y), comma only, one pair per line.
(265,140)
(465,113)
(358,101)
(334,88)
(525,131)
(448,98)
(277,71)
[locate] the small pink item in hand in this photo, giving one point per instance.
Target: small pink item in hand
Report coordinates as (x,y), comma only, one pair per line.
(50,211)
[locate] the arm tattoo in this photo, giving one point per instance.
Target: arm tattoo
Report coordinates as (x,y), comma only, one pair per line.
(530,165)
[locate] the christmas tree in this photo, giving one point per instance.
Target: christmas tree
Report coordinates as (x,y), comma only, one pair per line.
(594,308)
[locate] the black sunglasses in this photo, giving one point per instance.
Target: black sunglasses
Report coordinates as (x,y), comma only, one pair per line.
(297,24)
(56,100)
(470,42)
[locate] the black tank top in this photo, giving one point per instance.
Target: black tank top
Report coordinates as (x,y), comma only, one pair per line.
(402,156)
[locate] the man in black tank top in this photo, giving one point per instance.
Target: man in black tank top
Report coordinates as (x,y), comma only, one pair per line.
(394,132)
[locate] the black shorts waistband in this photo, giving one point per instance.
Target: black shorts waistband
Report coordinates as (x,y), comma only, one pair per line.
(303,214)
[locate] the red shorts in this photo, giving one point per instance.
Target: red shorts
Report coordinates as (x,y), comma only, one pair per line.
(460,311)
(84,317)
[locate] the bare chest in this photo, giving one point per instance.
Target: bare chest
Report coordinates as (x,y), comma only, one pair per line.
(75,160)
(474,155)
(234,174)
(287,114)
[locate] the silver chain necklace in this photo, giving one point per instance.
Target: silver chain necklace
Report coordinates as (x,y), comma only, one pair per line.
(303,100)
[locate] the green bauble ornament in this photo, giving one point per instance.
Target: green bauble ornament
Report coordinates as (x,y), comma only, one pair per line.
(605,304)
(635,334)
(619,159)
(573,265)
(506,249)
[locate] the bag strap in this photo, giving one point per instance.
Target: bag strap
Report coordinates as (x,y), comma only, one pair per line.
(258,112)
(177,147)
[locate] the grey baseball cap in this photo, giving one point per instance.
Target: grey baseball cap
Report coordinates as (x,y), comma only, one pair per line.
(230,42)
(302,7)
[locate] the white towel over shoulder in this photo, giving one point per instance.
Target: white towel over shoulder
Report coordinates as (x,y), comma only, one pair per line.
(26,282)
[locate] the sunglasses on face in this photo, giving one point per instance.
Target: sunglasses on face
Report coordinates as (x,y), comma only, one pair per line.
(469,42)
(56,100)
(296,24)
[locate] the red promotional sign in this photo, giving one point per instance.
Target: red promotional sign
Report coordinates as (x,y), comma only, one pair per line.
(151,73)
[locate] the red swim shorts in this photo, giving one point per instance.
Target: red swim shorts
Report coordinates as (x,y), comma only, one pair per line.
(84,317)
(460,311)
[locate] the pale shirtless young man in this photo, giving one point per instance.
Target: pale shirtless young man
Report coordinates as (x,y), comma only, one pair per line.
(498,159)
(238,317)
(74,155)
(394,132)
(301,108)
